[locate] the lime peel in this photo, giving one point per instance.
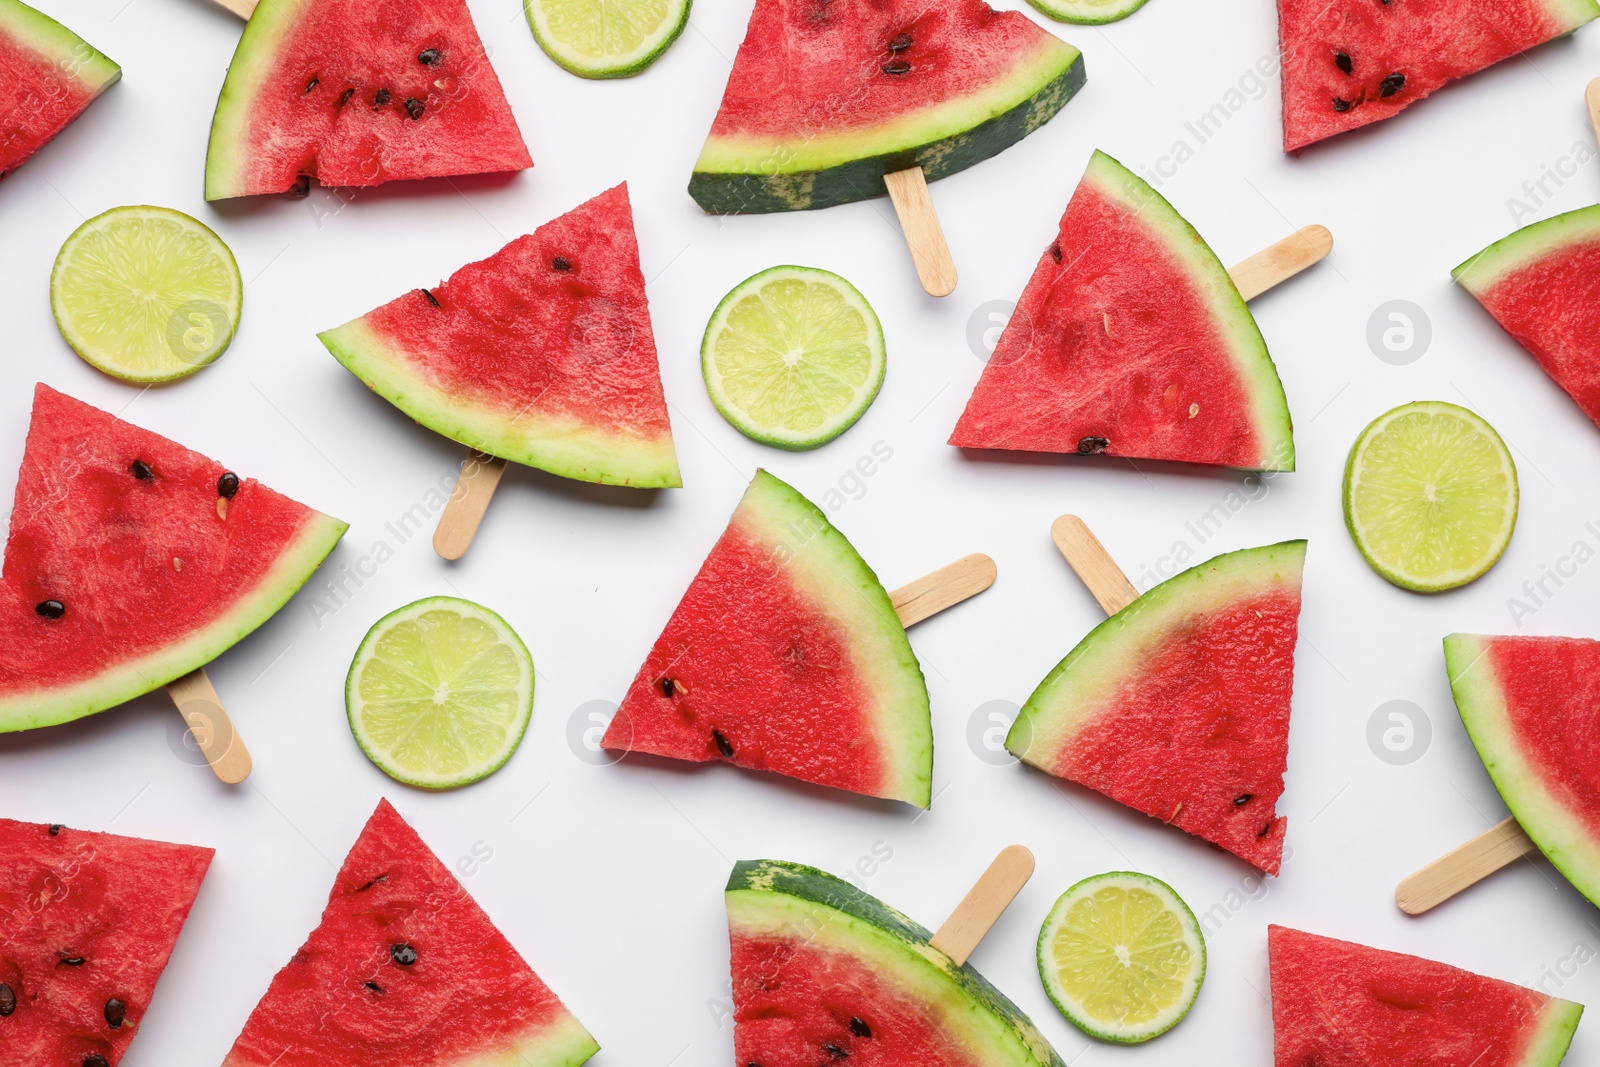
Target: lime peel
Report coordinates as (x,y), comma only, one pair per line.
(606,38)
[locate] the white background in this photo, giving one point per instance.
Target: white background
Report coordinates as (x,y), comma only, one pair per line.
(608,878)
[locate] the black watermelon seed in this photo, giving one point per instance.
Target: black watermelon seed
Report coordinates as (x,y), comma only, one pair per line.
(859,1027)
(1092,446)
(227,485)
(561,263)
(835,1051)
(141,470)
(375,987)
(312,84)
(722,744)
(8,1000)
(1342,61)
(900,43)
(667,688)
(72,961)
(116,1012)
(415,107)
(50,609)
(431,298)
(381,98)
(1392,84)
(1265,829)
(55,828)
(1055,252)
(403,954)
(300,189)
(344,97)
(898,66)
(375,881)
(1242,799)
(94,1059)
(1340,105)
(428,57)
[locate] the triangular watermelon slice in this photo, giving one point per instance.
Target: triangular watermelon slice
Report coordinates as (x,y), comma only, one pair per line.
(1543,285)
(355,93)
(405,969)
(1178,705)
(52,75)
(824,973)
(785,655)
(1131,340)
(1347,63)
(827,95)
(1529,705)
(542,353)
(132,561)
(1338,1004)
(89,923)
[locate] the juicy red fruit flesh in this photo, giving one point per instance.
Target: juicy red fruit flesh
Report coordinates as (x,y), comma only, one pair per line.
(37,101)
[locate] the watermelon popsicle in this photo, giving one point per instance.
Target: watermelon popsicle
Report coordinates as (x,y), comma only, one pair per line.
(834,101)
(52,76)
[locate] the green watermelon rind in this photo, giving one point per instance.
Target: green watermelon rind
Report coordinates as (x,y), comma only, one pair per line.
(1247,349)
(293,567)
(1560,835)
(831,574)
(1525,247)
(1116,651)
(255,57)
(772,174)
(1087,14)
(78,59)
(825,908)
(563,446)
(1549,1044)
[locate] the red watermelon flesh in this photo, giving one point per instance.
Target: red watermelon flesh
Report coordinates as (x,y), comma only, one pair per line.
(785,655)
(1542,284)
(89,922)
(353,93)
(52,75)
(543,353)
(153,571)
(1352,62)
(1338,1004)
(405,968)
(1130,340)
(1178,705)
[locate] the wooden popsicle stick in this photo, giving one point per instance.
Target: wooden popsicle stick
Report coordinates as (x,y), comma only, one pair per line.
(1591,96)
(1278,263)
(924,236)
(463,512)
(210,726)
(243,8)
(984,904)
(1093,563)
(944,588)
(1502,844)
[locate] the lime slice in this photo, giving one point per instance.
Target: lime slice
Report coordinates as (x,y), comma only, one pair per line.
(1088,12)
(146,294)
(606,38)
(793,356)
(440,693)
(1430,495)
(1122,957)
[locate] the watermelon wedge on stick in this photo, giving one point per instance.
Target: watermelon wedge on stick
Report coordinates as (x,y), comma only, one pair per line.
(542,354)
(90,922)
(1340,1004)
(824,973)
(1178,704)
(1528,704)
(52,75)
(1132,340)
(404,969)
(131,563)
(356,94)
(787,655)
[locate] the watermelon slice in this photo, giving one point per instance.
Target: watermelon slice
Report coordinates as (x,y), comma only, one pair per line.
(824,973)
(1543,285)
(827,95)
(542,353)
(1178,705)
(89,922)
(785,655)
(1338,1004)
(132,561)
(1131,340)
(1351,62)
(354,93)
(406,969)
(1529,706)
(52,75)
